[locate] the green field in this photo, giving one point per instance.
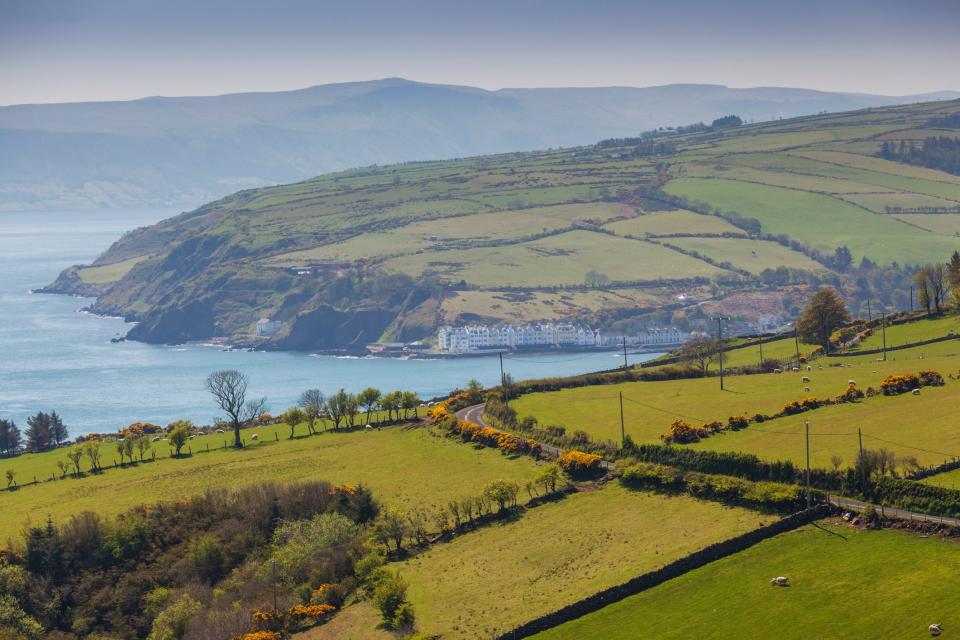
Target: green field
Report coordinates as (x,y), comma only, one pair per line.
(852,584)
(667,222)
(489,580)
(947,224)
(403,467)
(890,422)
(530,306)
(824,221)
(750,255)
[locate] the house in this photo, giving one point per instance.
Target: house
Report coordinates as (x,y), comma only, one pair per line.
(267,327)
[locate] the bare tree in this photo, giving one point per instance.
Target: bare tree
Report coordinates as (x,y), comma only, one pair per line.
(700,352)
(229,389)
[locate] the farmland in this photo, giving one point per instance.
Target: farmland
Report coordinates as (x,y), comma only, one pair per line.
(500,576)
(650,407)
(403,467)
(837,577)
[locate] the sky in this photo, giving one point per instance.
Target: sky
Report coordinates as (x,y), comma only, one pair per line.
(80,50)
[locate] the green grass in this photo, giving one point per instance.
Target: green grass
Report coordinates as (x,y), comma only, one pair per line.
(855,584)
(494,578)
(535,305)
(917,331)
(108,273)
(557,260)
(922,426)
(667,222)
(823,221)
(403,467)
(751,255)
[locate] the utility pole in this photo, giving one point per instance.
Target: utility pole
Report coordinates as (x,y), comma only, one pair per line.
(623,435)
(761,351)
(809,495)
(884,325)
(720,342)
(625,366)
(503,381)
(869,312)
(796,341)
(911,298)
(860,438)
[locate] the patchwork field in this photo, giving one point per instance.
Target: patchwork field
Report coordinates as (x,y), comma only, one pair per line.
(890,422)
(750,255)
(403,467)
(526,306)
(844,583)
(660,223)
(492,579)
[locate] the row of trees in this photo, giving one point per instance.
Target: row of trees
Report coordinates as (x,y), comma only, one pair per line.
(44,431)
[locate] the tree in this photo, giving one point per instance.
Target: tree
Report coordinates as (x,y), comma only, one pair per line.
(409,401)
(369,398)
(391,526)
(936,276)
(502,492)
(143,446)
(549,477)
(312,402)
(699,351)
(391,403)
(596,279)
(38,434)
(953,270)
(293,416)
(337,407)
(178,438)
(58,430)
(92,449)
(9,438)
(229,389)
(351,407)
(842,259)
(389,594)
(923,290)
(823,315)
(74,455)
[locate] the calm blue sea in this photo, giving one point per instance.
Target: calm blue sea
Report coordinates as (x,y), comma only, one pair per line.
(52,356)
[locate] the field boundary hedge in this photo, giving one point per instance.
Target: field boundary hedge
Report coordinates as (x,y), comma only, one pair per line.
(670,571)
(909,345)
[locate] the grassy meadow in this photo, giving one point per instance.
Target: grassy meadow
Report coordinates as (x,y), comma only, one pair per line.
(844,583)
(920,426)
(488,580)
(404,467)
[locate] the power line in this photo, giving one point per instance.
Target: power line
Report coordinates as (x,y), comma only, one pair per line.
(900,444)
(668,412)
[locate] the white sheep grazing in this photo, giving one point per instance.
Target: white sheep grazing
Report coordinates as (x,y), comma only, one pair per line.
(778,370)
(219,430)
(852,382)
(369,427)
(156,439)
(916,392)
(809,368)
(805,380)
(254,437)
(779,581)
(935,629)
(796,368)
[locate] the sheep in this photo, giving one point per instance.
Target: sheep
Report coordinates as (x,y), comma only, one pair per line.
(255,437)
(795,369)
(806,389)
(778,370)
(220,431)
(809,368)
(935,629)
(156,439)
(369,427)
(779,581)
(805,380)
(916,392)
(852,383)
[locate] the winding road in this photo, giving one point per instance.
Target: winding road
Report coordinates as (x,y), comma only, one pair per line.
(474,414)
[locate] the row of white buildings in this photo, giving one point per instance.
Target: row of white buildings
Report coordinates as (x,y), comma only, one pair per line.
(476,337)
(465,339)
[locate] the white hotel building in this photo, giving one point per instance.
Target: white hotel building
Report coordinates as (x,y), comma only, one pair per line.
(476,337)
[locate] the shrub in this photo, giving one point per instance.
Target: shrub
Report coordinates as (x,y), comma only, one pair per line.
(713,427)
(737,422)
(931,379)
(312,611)
(389,594)
(896,384)
(579,464)
(682,432)
(850,394)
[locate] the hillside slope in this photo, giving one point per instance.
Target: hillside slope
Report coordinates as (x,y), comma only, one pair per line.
(597,233)
(183,151)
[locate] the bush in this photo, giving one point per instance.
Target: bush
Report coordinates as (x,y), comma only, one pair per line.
(737,422)
(850,394)
(896,384)
(579,464)
(389,595)
(682,432)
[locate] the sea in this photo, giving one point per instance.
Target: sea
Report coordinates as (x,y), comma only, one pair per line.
(56,357)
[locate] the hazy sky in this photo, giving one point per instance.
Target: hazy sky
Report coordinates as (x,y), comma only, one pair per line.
(68,50)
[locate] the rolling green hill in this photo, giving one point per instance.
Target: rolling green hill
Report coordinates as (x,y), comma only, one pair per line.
(392,252)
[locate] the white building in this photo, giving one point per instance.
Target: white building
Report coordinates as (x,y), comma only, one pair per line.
(477,337)
(267,327)
(663,335)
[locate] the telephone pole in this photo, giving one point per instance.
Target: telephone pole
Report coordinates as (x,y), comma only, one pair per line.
(503,381)
(720,343)
(809,496)
(884,325)
(796,341)
(869,312)
(761,350)
(860,438)
(911,298)
(625,366)
(623,435)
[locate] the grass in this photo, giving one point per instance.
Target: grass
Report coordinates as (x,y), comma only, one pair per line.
(946,224)
(403,467)
(494,578)
(856,584)
(823,221)
(916,331)
(751,255)
(922,426)
(667,222)
(535,305)
(557,260)
(108,273)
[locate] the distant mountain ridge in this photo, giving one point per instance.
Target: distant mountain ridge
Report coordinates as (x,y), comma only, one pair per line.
(182,151)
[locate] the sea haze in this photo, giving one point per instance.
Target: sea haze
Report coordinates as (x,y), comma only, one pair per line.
(52,357)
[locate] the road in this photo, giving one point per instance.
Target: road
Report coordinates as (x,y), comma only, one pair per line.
(475,414)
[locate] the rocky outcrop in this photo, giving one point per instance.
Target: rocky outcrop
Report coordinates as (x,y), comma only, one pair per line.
(326,329)
(69,283)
